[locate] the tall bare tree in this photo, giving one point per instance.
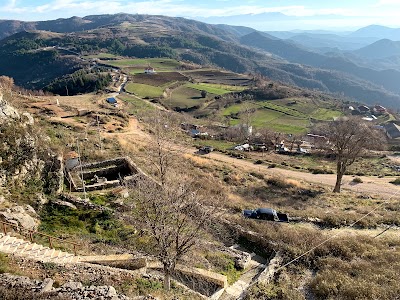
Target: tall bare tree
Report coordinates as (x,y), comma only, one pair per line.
(169,209)
(172,218)
(349,138)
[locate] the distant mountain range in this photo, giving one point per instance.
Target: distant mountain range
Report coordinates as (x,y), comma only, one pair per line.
(355,64)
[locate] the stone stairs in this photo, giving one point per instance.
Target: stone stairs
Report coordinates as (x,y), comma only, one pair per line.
(19,247)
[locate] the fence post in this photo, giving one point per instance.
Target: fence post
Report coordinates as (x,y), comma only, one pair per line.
(31,236)
(75,249)
(51,244)
(4,228)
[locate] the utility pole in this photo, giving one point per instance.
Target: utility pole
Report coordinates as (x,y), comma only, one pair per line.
(80,165)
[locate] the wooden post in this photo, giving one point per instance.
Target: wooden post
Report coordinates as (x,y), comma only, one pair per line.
(51,244)
(31,236)
(75,249)
(4,228)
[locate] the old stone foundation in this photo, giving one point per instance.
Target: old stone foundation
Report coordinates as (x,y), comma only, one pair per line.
(102,175)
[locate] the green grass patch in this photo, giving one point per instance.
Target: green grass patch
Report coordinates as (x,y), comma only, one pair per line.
(99,226)
(134,105)
(4,264)
(283,109)
(225,265)
(324,114)
(217,89)
(184,97)
(144,90)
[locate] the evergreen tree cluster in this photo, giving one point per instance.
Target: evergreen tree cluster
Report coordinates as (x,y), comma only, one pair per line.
(80,82)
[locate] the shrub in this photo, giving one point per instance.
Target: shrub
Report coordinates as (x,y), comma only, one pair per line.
(278,182)
(320,171)
(357,180)
(396,181)
(3,263)
(257,175)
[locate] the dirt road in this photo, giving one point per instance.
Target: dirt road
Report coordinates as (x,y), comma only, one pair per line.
(372,186)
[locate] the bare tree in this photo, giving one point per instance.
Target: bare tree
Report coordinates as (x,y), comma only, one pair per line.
(348,139)
(169,210)
(172,218)
(163,127)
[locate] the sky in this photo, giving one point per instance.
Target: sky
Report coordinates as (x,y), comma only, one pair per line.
(306,14)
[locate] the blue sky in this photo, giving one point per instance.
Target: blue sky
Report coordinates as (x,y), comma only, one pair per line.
(306,14)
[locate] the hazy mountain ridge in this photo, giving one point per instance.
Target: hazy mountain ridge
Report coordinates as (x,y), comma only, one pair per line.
(224,46)
(381,49)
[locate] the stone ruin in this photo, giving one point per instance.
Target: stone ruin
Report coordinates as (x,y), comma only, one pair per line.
(102,175)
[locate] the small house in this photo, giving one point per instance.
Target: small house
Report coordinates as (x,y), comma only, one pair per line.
(150,70)
(363,108)
(392,130)
(379,109)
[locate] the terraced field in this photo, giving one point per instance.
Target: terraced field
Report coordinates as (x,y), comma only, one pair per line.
(217,89)
(285,115)
(135,66)
(160,79)
(184,97)
(144,90)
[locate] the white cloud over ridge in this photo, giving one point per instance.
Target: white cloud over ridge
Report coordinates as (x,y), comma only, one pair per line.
(380,10)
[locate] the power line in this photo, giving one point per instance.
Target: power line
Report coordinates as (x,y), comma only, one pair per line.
(337,234)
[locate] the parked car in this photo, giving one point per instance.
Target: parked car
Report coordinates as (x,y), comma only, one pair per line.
(268,214)
(206,149)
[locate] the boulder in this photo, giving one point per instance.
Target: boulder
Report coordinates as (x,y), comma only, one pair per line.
(25,217)
(47,285)
(7,111)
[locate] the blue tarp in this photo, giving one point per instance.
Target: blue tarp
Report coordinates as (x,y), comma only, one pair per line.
(112,100)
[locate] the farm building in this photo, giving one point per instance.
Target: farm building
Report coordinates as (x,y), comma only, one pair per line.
(363,108)
(392,130)
(379,109)
(150,70)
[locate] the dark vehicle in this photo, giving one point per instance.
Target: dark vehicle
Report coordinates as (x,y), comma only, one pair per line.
(206,149)
(268,214)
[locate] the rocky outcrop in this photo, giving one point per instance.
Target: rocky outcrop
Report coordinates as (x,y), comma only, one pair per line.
(7,111)
(71,290)
(24,216)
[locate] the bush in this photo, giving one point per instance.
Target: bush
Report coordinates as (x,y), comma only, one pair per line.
(320,171)
(357,180)
(3,263)
(278,182)
(396,181)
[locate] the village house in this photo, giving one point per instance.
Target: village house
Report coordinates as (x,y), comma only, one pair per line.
(363,108)
(150,70)
(379,109)
(392,130)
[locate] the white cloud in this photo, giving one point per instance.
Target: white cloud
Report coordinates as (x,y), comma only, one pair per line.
(382,11)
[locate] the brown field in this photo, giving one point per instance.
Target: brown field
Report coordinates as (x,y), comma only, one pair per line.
(159,79)
(219,77)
